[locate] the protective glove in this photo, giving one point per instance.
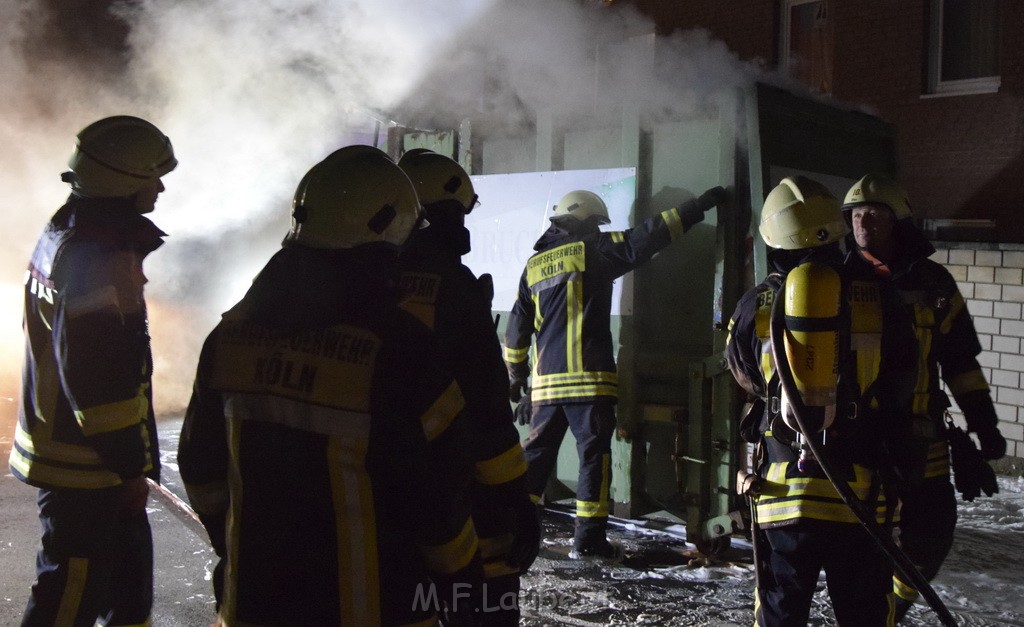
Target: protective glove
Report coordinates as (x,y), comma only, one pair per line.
(980,415)
(524,410)
(971,474)
(516,389)
(526,540)
(693,211)
(993,444)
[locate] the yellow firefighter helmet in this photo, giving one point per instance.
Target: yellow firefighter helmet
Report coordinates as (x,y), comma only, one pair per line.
(581,205)
(801,213)
(879,189)
(438,178)
(356,195)
(117,156)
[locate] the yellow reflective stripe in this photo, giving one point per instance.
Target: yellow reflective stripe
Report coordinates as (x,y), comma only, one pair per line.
(71,597)
(39,445)
(38,470)
(617,236)
(673,222)
(503,467)
(938,460)
(599,508)
(573,392)
(113,416)
(455,554)
(535,498)
(95,300)
(790,498)
(591,509)
(356,530)
(968,382)
(574,326)
(516,355)
(208,498)
(424,312)
(295,414)
(955,307)
(538,318)
(903,590)
(589,376)
(441,414)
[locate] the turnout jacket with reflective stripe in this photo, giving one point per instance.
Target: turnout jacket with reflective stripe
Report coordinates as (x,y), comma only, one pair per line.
(448,298)
(564,299)
(308,451)
(880,358)
(86,418)
(948,347)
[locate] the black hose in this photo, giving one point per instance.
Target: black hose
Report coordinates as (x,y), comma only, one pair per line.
(903,563)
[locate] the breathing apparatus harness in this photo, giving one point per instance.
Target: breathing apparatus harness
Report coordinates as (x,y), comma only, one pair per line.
(903,564)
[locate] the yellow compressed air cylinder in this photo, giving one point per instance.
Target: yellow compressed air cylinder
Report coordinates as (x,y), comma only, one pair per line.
(813,294)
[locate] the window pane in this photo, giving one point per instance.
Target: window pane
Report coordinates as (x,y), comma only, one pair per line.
(970,39)
(810,45)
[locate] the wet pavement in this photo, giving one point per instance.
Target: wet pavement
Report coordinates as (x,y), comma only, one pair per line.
(661,580)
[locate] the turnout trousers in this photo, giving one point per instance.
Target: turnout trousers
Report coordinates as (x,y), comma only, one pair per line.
(858,576)
(94,563)
(593,425)
(927,522)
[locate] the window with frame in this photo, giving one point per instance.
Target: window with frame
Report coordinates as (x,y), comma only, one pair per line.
(963,47)
(806,43)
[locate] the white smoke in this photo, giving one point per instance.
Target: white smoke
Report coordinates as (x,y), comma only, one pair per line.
(253,93)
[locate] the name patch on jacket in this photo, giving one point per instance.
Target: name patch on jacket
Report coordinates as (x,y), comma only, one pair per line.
(331,367)
(556,263)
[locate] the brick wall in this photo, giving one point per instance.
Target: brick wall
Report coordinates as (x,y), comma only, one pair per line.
(991,279)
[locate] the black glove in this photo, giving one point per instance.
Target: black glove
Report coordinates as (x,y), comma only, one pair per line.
(980,415)
(516,388)
(971,474)
(692,212)
(993,444)
(714,197)
(524,409)
(526,536)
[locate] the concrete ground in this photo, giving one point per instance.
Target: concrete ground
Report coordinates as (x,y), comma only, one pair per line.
(183,597)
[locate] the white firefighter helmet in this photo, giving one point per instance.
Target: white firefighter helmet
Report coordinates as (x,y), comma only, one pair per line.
(438,178)
(356,195)
(801,213)
(117,156)
(581,205)
(881,190)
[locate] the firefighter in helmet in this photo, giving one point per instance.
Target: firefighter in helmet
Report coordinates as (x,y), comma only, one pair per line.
(884,243)
(308,447)
(847,371)
(564,305)
(86,434)
(452,301)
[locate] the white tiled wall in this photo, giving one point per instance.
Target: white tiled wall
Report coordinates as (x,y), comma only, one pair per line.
(992,282)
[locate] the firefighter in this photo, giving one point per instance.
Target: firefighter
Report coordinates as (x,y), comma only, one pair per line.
(452,301)
(564,300)
(850,372)
(308,445)
(885,243)
(86,433)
